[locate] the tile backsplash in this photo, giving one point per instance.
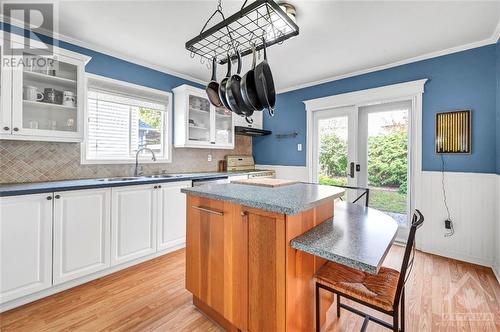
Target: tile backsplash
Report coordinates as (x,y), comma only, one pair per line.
(24,161)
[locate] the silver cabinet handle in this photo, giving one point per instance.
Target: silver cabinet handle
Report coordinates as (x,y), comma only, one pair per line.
(219,213)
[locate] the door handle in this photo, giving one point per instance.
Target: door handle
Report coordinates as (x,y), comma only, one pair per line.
(351,170)
(219,213)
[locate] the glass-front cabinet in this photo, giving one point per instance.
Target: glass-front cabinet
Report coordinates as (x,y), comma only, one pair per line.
(46,98)
(198,124)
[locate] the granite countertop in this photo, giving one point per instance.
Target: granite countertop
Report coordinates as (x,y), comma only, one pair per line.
(14,189)
(290,199)
(356,236)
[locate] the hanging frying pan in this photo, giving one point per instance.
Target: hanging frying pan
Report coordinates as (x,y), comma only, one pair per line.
(248,89)
(233,93)
(222,85)
(264,83)
(212,88)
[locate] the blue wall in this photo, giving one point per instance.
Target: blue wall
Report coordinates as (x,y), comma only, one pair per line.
(498,106)
(112,67)
(457,81)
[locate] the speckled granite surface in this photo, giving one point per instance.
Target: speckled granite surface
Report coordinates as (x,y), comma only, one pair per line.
(45,187)
(358,237)
(290,199)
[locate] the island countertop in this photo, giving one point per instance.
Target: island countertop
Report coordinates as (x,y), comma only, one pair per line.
(290,199)
(357,236)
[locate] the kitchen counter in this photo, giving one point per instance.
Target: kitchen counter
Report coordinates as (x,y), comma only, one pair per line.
(14,189)
(290,199)
(356,236)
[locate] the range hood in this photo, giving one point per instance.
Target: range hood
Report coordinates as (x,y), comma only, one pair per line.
(248,131)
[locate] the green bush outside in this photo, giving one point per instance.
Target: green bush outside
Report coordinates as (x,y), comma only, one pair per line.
(387,160)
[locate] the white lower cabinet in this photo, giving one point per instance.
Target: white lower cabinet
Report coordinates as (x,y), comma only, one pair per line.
(25,245)
(171,214)
(133,222)
(82,223)
(49,239)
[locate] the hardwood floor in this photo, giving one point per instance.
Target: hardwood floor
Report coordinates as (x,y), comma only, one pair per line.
(442,295)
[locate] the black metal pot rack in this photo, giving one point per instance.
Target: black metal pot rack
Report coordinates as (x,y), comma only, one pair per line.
(260,19)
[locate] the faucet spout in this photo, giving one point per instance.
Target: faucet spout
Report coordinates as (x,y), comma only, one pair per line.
(136,172)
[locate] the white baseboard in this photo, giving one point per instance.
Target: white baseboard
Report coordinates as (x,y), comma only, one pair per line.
(496,272)
(79,281)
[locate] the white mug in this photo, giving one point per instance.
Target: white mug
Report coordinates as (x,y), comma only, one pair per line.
(31,93)
(69,98)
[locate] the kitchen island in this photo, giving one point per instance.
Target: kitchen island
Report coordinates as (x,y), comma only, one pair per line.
(240,267)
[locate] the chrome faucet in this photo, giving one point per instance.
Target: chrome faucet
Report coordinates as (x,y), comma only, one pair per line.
(136,173)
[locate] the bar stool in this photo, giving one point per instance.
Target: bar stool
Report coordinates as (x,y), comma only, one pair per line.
(382,292)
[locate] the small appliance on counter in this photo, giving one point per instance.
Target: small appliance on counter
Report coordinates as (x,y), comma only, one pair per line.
(247,163)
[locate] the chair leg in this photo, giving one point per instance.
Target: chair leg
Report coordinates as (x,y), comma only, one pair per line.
(318,327)
(395,320)
(403,310)
(338,305)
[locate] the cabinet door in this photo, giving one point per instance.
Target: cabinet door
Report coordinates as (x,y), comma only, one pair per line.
(47,97)
(171,214)
(216,257)
(25,245)
(81,233)
(5,95)
(133,223)
(223,134)
(199,116)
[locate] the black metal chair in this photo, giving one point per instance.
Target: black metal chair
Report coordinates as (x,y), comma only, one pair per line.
(383,292)
(366,192)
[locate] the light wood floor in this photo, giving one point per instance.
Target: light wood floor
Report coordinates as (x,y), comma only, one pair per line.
(442,295)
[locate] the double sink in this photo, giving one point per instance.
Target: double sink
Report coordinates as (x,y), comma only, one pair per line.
(131,178)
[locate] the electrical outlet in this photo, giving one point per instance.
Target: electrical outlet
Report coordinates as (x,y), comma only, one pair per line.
(299,147)
(447,224)
(209,157)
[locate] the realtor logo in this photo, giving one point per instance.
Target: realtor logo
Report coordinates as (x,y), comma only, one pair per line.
(28,36)
(469,293)
(34,18)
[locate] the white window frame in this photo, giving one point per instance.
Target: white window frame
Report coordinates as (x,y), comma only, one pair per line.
(132,89)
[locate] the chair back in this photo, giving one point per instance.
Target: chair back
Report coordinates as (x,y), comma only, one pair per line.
(406,267)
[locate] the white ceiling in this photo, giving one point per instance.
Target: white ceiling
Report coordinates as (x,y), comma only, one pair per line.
(336,37)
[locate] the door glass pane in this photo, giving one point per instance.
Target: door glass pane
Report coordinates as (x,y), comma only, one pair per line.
(388,162)
(333,157)
(223,126)
(199,119)
(49,94)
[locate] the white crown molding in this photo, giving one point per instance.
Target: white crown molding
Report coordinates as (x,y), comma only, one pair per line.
(493,39)
(496,34)
(103,50)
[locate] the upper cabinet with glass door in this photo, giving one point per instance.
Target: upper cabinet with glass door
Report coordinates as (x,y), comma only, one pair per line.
(198,124)
(48,96)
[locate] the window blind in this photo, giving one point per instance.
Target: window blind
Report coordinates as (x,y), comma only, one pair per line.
(115,127)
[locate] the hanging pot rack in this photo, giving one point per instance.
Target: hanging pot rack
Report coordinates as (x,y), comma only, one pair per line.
(260,20)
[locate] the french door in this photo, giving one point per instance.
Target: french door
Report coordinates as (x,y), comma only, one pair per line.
(367,146)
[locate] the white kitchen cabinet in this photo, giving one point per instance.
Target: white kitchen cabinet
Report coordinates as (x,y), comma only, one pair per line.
(45,116)
(198,124)
(133,222)
(171,214)
(26,245)
(82,223)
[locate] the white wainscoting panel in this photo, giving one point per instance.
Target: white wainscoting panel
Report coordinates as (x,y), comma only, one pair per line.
(473,201)
(299,173)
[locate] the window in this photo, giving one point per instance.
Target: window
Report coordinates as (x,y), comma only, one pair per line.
(121,120)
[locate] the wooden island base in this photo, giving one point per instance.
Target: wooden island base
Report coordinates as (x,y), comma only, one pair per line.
(242,271)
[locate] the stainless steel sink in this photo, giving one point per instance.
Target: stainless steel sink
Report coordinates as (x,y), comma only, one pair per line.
(164,176)
(129,178)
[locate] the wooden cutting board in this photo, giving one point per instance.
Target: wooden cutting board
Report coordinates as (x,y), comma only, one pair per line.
(266,182)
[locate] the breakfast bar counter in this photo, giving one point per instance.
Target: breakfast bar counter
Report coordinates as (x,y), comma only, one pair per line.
(241,268)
